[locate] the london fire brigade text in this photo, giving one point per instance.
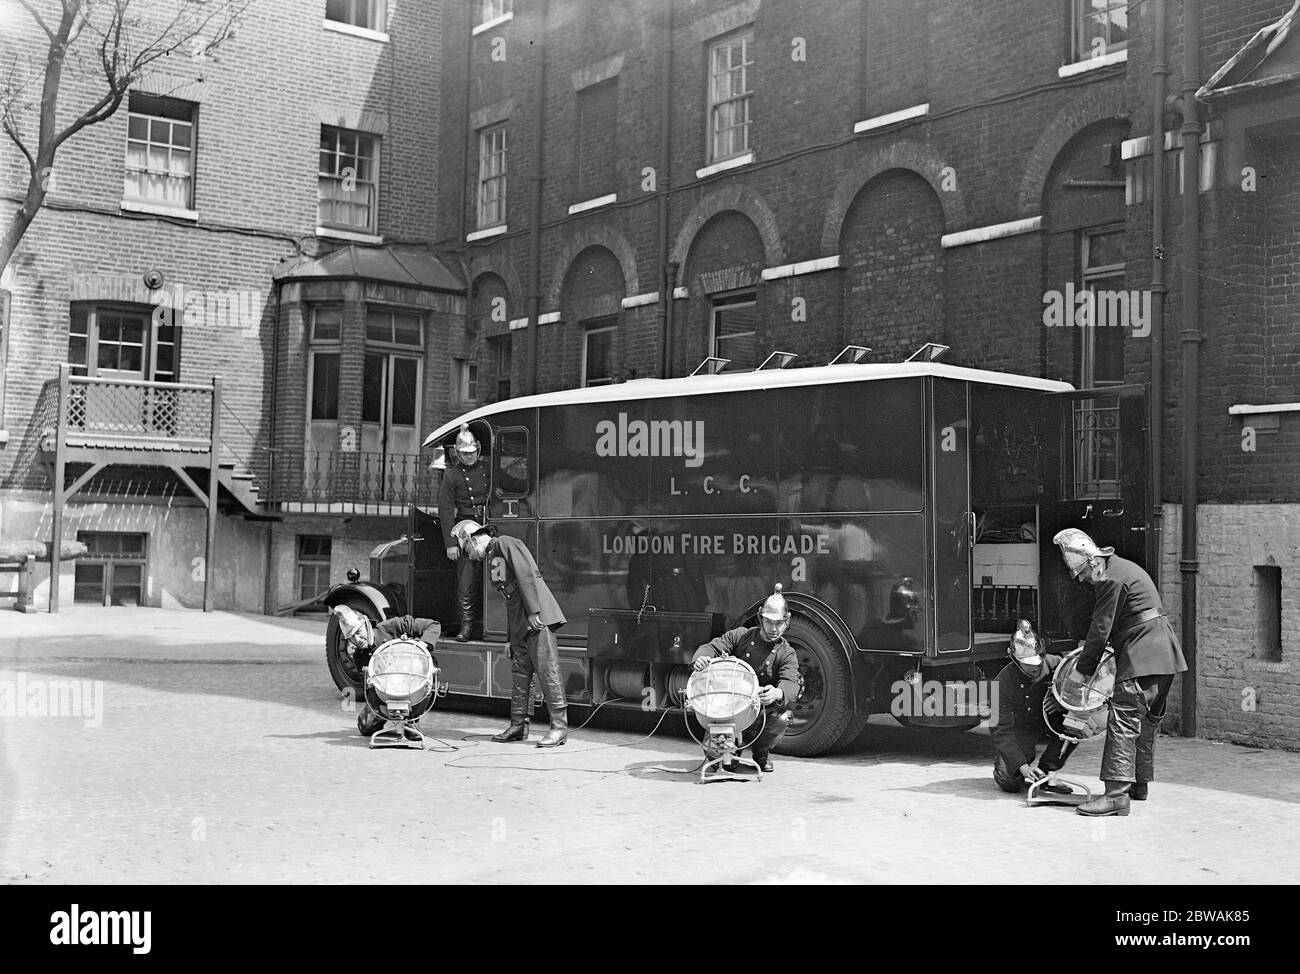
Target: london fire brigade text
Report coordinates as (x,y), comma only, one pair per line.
(715,544)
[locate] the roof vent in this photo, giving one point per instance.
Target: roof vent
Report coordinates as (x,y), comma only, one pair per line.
(711,366)
(777,360)
(929,352)
(850,355)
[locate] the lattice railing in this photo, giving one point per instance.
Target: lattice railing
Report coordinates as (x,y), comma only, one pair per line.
(132,413)
(360,479)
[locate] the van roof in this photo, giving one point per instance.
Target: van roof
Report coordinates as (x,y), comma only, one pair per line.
(705,385)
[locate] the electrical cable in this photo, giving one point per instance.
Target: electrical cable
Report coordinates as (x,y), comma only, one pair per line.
(454,763)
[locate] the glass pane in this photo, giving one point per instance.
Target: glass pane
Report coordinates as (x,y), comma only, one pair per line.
(76,350)
(406,330)
(512,463)
(600,357)
(132,544)
(405,382)
(379,326)
(137,127)
(325,387)
(372,389)
(327,324)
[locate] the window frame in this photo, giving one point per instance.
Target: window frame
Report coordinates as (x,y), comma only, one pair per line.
(503,359)
(607,324)
(745,35)
(391,343)
(461,382)
(152,339)
(732,301)
(483,11)
(316,562)
(1089,279)
(482,222)
(149,118)
(376,152)
(1080,12)
(376,10)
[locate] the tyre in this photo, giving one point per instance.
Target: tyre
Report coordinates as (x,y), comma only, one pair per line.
(346,675)
(824,719)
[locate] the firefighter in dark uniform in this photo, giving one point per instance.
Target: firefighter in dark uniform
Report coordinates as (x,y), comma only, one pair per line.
(1128,614)
(463,496)
(532,616)
(362,636)
(765,649)
(1022,685)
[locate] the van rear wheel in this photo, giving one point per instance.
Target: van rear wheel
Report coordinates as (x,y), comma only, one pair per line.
(824,719)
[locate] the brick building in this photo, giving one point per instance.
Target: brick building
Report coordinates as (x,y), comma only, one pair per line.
(636,185)
(261,214)
(574,192)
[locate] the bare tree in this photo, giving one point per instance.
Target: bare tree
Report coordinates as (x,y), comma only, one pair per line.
(112,41)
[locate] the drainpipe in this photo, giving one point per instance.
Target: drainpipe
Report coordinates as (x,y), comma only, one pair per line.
(667,270)
(1191,341)
(535,218)
(1159,287)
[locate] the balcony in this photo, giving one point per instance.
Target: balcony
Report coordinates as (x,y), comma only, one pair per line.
(128,414)
(359,482)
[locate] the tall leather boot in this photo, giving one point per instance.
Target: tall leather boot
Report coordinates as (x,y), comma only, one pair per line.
(1145,765)
(521,681)
(548,674)
(466,620)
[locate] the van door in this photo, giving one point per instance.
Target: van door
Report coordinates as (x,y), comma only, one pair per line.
(950,521)
(1101,486)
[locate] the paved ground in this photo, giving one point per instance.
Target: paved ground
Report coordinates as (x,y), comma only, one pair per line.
(222,753)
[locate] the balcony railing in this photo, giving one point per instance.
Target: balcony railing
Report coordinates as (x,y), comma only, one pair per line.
(359,482)
(133,414)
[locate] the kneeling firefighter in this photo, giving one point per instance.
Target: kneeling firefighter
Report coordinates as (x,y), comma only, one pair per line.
(765,649)
(362,637)
(1022,685)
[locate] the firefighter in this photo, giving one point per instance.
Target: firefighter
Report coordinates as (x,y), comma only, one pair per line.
(1022,685)
(1128,614)
(533,616)
(765,649)
(463,495)
(362,636)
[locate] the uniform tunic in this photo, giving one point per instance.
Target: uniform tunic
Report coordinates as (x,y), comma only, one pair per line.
(1141,648)
(463,494)
(1020,728)
(515,574)
(775,663)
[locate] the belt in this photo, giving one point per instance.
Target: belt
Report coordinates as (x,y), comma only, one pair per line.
(1141,619)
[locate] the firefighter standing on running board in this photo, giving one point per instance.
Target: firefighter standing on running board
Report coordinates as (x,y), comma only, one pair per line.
(463,496)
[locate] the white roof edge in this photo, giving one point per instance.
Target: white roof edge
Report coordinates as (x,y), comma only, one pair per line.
(703,385)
